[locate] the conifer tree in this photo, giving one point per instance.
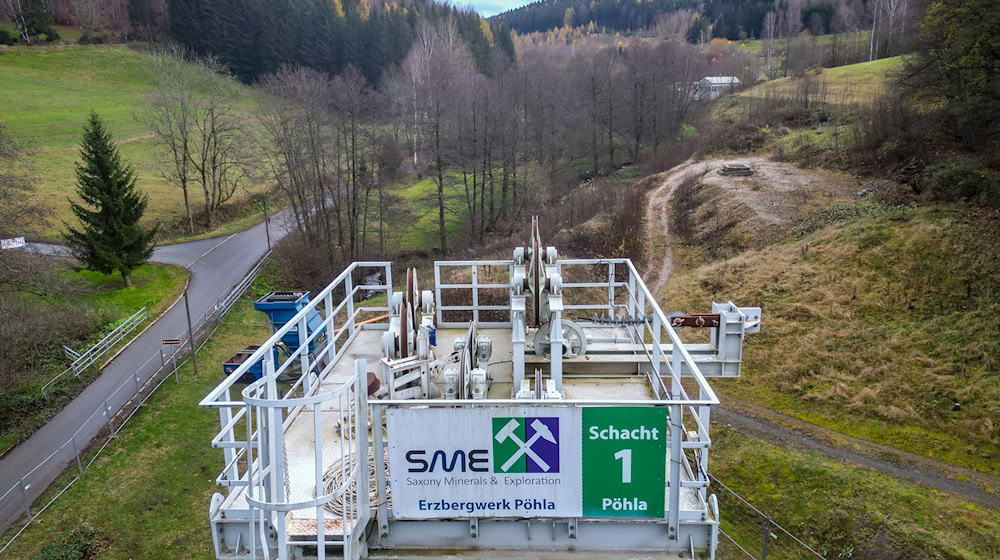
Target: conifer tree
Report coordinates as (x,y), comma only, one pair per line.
(110,238)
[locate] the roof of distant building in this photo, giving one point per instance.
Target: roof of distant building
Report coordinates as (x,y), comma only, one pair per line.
(721,79)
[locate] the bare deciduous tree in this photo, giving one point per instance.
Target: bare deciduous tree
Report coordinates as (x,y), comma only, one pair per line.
(172,112)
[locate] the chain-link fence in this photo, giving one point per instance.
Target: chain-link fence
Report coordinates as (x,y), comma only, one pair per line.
(115,411)
(749,533)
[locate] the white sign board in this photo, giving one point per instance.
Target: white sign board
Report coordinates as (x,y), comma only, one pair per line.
(485,462)
(13,243)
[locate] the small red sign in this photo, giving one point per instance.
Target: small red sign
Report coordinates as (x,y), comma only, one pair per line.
(171,341)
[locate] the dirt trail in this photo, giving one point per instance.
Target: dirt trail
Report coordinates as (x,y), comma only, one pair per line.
(764,423)
(658,219)
(767,424)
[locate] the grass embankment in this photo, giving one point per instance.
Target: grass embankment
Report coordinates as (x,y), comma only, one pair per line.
(853,83)
(23,409)
(800,100)
(842,510)
(46,94)
(879,322)
(160,471)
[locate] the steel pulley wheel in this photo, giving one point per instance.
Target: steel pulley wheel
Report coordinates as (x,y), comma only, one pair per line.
(574,339)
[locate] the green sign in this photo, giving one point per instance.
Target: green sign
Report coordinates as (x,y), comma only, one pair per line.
(624,461)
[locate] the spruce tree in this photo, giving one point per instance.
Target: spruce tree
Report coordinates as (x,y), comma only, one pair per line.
(111,238)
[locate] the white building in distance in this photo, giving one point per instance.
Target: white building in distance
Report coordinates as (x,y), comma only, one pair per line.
(711,87)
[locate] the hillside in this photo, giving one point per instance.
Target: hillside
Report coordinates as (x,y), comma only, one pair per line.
(698,21)
(881,321)
(46,94)
(852,83)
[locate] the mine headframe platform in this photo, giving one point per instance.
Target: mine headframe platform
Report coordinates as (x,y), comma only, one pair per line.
(535,404)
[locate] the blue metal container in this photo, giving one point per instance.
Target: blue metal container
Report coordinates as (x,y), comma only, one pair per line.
(281,307)
(255,372)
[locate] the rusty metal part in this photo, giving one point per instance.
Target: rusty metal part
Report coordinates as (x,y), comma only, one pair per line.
(696,320)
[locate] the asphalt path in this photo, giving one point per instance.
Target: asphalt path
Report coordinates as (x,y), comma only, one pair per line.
(216,265)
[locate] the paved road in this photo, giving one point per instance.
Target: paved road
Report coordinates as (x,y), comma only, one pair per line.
(216,265)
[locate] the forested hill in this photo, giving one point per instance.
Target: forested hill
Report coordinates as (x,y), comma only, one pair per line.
(697,19)
(257,37)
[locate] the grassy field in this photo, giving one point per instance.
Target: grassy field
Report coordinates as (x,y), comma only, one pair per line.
(880,322)
(854,83)
(156,286)
(46,94)
(757,45)
(842,510)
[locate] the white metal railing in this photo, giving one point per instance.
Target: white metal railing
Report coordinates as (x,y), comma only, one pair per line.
(474,285)
(95,352)
(330,340)
(340,417)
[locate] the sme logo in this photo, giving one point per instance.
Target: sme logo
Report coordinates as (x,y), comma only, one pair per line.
(520,445)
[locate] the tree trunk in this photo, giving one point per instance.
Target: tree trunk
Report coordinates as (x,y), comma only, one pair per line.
(126,278)
(187,206)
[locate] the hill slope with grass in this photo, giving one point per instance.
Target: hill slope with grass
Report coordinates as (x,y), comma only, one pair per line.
(881,323)
(46,94)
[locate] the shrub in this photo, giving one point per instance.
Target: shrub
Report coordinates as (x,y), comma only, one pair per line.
(6,38)
(82,544)
(48,35)
(962,180)
(90,37)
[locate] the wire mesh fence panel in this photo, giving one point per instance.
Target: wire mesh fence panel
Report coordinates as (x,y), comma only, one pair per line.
(747,532)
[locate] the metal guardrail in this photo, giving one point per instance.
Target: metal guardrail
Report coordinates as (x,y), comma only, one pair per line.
(339,319)
(118,408)
(95,352)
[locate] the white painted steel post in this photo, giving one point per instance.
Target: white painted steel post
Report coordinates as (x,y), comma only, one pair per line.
(675,445)
(331,330)
(611,289)
(361,440)
(657,351)
(388,282)
(349,291)
(555,354)
(228,453)
(251,487)
(275,457)
(517,340)
(377,435)
(631,304)
(318,481)
(475,302)
(437,292)
(673,514)
(704,416)
(304,354)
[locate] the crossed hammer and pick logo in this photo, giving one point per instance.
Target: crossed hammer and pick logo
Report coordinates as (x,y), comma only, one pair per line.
(524,448)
